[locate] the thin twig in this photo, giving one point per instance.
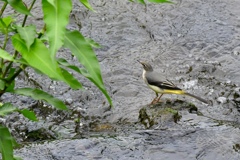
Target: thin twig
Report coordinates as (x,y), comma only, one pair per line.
(1,13)
(26,16)
(3,8)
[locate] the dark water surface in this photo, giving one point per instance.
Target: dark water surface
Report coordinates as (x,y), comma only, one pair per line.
(194,43)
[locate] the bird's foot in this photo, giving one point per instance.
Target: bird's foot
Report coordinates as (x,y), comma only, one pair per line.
(155,101)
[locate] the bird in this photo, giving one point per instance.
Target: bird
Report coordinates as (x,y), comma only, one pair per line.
(159,84)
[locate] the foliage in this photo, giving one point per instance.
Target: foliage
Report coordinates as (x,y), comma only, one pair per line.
(6,143)
(31,50)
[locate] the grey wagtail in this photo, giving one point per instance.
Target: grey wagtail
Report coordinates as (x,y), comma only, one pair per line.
(159,85)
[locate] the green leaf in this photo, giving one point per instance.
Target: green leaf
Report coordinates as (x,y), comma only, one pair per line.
(6,143)
(5,23)
(27,34)
(11,72)
(56,17)
(93,43)
(41,95)
(65,72)
(141,1)
(5,55)
(29,114)
(39,58)
(7,108)
(84,53)
(10,87)
(86,4)
(2,85)
(63,62)
(86,56)
(85,73)
(17,158)
(19,6)
(71,79)
(160,1)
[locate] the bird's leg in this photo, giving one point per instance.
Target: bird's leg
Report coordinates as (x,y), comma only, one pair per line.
(159,97)
(156,95)
(154,100)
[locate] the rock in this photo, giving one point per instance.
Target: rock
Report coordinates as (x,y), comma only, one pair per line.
(69,101)
(222,100)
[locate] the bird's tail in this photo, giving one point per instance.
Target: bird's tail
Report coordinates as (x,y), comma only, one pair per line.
(198,98)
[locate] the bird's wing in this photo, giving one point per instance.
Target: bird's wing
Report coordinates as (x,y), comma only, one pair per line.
(165,84)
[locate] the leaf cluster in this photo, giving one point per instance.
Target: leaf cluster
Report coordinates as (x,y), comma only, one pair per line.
(34,51)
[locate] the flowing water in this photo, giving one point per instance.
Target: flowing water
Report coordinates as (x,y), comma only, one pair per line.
(194,43)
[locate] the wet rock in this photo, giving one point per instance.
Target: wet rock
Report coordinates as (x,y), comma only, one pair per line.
(237,93)
(39,135)
(236,51)
(164,113)
(222,100)
(69,101)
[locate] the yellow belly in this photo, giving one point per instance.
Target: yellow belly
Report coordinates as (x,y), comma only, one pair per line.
(165,91)
(156,89)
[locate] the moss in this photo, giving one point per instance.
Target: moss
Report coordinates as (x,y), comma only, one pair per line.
(39,135)
(236,147)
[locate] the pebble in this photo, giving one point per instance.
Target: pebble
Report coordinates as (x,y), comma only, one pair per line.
(2,120)
(222,100)
(69,100)
(236,53)
(228,81)
(237,89)
(237,100)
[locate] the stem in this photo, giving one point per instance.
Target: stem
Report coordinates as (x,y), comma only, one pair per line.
(1,66)
(1,13)
(5,40)
(3,8)
(17,73)
(26,16)
(10,64)
(12,78)
(42,32)
(4,46)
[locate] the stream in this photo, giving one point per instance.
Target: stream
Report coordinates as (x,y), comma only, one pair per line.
(193,43)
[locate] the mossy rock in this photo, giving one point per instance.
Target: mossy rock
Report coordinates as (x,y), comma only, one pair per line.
(162,113)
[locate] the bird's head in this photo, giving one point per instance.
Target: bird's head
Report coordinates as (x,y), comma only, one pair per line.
(146,66)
